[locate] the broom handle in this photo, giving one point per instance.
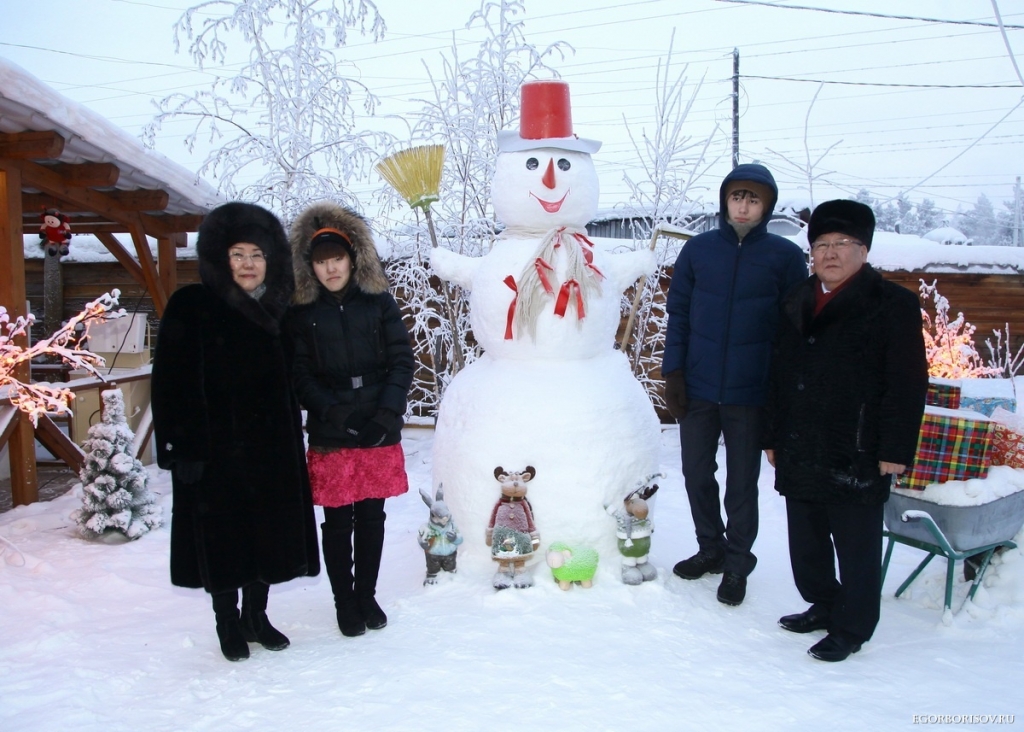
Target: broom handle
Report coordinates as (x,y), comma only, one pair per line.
(448,300)
(658,231)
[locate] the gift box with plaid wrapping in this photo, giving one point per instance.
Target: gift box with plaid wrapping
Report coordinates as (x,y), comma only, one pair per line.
(1007,439)
(943,393)
(953,444)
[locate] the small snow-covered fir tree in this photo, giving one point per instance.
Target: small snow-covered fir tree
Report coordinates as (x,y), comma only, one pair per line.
(115,491)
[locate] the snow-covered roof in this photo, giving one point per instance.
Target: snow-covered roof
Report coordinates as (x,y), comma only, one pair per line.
(27,104)
(947,235)
(903,252)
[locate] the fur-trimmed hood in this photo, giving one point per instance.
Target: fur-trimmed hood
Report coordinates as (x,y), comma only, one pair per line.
(368,272)
(234,222)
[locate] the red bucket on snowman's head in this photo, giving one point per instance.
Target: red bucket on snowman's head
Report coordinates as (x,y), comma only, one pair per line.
(545,120)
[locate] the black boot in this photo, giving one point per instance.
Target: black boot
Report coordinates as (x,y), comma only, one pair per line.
(255,624)
(337,547)
(229,630)
(369,543)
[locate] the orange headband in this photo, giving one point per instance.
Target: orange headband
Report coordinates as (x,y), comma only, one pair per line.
(329,230)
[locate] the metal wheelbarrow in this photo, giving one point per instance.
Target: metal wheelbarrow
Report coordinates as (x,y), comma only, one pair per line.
(954,532)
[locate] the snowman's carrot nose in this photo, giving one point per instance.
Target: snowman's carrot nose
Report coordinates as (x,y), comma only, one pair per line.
(549,174)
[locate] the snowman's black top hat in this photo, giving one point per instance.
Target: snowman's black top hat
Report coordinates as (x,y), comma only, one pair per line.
(545,120)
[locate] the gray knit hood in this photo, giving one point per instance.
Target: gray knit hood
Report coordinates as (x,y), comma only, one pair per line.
(368,272)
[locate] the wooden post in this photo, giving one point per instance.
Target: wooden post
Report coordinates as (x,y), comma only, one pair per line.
(22,450)
(167,260)
(53,294)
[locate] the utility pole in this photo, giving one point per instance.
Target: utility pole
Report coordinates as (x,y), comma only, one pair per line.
(1016,214)
(736,107)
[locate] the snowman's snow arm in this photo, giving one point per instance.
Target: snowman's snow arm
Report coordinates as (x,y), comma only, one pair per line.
(625,268)
(453,267)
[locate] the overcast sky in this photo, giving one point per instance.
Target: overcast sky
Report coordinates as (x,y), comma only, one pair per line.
(899,116)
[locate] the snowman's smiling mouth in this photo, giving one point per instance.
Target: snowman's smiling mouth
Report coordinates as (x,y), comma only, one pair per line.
(551,206)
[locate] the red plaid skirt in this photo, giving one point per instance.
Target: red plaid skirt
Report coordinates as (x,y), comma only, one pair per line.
(350,474)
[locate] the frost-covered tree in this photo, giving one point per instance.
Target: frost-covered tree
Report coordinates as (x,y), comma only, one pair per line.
(35,399)
(949,344)
(115,485)
(929,217)
(887,215)
(289,116)
(671,161)
(980,223)
(472,99)
(809,169)
(908,222)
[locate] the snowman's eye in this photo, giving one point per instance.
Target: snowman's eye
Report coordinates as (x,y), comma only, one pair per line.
(532,164)
(564,164)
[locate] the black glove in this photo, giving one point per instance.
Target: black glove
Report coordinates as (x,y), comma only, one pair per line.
(376,430)
(189,471)
(346,420)
(675,394)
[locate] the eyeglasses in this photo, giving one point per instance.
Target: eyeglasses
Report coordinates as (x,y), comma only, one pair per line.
(840,245)
(239,258)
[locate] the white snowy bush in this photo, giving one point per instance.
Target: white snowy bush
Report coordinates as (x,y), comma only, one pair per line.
(115,485)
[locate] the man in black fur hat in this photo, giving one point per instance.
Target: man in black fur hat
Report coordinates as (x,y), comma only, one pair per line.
(847,392)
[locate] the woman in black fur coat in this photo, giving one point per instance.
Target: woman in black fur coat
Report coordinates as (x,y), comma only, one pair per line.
(228,426)
(353,368)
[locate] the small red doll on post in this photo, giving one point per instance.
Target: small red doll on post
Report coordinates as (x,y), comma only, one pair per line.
(54,232)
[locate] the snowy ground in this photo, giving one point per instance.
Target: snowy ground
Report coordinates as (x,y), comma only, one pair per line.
(94,637)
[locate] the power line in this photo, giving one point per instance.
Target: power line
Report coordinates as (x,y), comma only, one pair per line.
(942,21)
(878,83)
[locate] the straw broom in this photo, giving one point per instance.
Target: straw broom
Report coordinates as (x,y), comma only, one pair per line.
(416,175)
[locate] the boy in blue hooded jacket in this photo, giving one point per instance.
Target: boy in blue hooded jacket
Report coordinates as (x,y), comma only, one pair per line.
(723,306)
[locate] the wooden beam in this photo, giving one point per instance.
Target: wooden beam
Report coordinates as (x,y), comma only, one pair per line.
(121,255)
(139,200)
(89,175)
(149,271)
(163,225)
(46,145)
(50,182)
(51,437)
(24,481)
(142,199)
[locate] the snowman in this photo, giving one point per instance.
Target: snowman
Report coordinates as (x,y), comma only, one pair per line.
(550,390)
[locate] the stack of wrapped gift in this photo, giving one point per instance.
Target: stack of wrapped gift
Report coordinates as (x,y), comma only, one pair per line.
(943,393)
(954,444)
(987,395)
(1007,438)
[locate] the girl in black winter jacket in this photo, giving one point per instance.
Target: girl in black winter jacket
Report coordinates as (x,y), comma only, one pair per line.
(352,369)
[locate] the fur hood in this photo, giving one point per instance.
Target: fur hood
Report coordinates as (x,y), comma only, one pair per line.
(368,272)
(234,222)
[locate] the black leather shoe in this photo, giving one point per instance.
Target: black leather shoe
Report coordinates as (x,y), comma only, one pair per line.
(733,589)
(834,647)
(700,564)
(814,618)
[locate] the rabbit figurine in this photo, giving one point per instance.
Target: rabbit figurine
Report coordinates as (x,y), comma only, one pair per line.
(439,537)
